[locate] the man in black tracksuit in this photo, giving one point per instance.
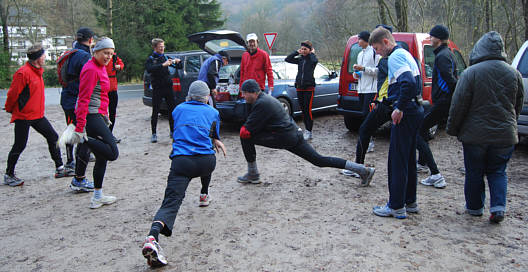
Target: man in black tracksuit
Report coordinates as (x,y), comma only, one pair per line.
(158,66)
(269,125)
(306,61)
(444,83)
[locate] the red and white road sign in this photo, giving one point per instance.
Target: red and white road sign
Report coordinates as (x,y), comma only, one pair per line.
(270,39)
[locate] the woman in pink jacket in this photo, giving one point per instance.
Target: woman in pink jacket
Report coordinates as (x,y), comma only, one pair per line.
(91,112)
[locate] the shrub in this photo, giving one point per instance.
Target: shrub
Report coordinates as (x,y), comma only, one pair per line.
(50,77)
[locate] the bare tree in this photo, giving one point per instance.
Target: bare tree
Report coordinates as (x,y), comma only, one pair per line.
(401,14)
(4,14)
(110,27)
(525,17)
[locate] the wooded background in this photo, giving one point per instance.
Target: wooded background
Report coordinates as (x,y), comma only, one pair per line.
(327,23)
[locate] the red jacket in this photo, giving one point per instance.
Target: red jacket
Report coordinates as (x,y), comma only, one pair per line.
(25,98)
(112,72)
(256,67)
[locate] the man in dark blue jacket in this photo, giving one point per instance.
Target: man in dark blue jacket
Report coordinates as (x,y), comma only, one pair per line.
(407,117)
(444,83)
(84,38)
(209,72)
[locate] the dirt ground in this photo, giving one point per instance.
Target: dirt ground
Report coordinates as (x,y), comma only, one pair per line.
(301,218)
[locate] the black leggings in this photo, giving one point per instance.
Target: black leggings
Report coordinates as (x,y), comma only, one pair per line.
(438,113)
(183,169)
(43,127)
(101,142)
(375,119)
(364,102)
(112,107)
(157,95)
(294,143)
(305,98)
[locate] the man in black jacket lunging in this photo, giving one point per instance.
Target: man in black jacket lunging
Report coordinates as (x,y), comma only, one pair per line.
(269,125)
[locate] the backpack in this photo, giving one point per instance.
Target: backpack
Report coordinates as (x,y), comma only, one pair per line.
(62,67)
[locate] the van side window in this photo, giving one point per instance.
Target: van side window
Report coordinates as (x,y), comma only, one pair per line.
(523,65)
(352,57)
(429,58)
(192,64)
(461,65)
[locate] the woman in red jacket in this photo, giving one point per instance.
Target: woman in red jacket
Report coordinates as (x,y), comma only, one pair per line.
(25,102)
(115,64)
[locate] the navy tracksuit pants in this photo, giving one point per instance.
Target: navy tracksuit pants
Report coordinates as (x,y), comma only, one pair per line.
(402,160)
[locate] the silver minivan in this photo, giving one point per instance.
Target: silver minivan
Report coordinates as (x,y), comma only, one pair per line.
(520,62)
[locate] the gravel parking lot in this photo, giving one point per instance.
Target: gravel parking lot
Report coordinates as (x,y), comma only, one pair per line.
(301,218)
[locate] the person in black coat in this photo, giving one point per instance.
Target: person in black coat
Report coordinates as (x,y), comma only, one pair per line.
(306,60)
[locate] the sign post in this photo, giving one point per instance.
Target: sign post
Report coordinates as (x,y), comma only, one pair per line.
(270,39)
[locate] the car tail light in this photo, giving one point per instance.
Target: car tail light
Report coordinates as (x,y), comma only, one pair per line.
(176,85)
(222,96)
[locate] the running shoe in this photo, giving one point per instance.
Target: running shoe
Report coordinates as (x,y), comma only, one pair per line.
(12,180)
(350,173)
(412,208)
(153,252)
(204,200)
(437,181)
(421,168)
(62,172)
(247,178)
(154,138)
(385,211)
(496,217)
(70,168)
(81,185)
(116,140)
(96,203)
(367,178)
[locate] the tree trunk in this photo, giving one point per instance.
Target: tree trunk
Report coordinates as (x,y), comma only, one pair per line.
(487,14)
(110,27)
(382,15)
(4,12)
(401,14)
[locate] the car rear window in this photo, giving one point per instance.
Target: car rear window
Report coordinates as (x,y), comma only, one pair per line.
(192,64)
(523,65)
(429,58)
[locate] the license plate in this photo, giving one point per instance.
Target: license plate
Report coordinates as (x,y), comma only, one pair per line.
(352,86)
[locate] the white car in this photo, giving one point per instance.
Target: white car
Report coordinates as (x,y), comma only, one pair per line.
(520,62)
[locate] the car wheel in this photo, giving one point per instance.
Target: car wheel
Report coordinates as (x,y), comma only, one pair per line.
(285,104)
(352,123)
(432,131)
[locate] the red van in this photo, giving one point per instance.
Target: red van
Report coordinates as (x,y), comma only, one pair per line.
(419,44)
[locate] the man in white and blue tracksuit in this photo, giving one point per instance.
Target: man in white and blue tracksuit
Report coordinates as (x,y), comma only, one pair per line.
(407,118)
(209,72)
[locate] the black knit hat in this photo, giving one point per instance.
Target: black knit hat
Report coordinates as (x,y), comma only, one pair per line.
(364,35)
(85,33)
(440,31)
(389,28)
(224,54)
(250,86)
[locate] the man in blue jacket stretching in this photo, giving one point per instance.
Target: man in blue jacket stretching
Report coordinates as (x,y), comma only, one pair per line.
(407,118)
(209,72)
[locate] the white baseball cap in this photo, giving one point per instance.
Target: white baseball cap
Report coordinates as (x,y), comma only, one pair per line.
(251,36)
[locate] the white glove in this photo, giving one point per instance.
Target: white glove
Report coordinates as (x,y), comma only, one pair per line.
(70,136)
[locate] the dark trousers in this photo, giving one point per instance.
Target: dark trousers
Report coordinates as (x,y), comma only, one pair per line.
(305,98)
(43,127)
(183,169)
(376,118)
(402,160)
(70,119)
(112,107)
(490,161)
(157,95)
(101,142)
(437,114)
(294,143)
(364,101)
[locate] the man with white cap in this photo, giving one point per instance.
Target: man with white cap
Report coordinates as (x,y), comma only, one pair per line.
(256,64)
(195,138)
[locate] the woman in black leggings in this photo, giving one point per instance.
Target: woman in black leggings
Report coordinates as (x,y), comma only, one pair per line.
(25,102)
(91,129)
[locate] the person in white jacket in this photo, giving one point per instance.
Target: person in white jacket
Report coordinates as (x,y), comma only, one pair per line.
(366,72)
